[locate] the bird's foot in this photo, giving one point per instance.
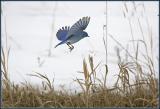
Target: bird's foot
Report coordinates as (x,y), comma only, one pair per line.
(71,48)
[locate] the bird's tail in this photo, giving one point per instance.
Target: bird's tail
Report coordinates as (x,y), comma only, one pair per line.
(60,43)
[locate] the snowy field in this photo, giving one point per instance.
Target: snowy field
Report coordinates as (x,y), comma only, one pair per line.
(31,29)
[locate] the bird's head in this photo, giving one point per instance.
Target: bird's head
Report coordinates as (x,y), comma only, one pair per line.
(85,34)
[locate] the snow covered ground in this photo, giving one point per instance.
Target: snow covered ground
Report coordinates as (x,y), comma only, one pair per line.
(31,29)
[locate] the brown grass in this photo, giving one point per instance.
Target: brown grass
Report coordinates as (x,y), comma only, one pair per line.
(142,93)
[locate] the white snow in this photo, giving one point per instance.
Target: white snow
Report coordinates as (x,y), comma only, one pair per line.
(29,30)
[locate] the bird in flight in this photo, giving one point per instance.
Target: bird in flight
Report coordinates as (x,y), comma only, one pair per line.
(74,34)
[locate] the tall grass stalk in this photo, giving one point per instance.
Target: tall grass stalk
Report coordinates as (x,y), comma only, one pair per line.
(52,28)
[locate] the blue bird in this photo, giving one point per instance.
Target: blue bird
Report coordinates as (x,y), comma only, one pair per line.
(74,34)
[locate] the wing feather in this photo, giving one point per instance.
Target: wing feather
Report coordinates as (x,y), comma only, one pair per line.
(62,33)
(79,26)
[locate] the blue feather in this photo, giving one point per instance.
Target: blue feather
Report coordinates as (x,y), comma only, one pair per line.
(62,33)
(64,41)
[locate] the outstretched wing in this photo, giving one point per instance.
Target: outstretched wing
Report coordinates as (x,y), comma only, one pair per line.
(62,33)
(79,25)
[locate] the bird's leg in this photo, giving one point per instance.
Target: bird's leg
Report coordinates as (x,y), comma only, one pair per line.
(70,46)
